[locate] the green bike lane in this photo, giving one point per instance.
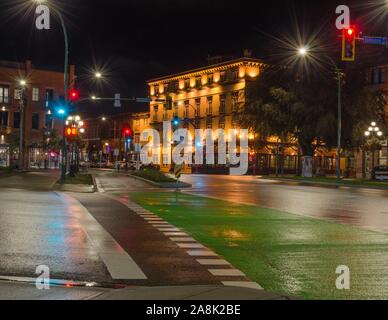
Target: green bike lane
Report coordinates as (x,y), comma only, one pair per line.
(285,253)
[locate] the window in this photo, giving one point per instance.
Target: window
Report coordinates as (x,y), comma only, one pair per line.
(234,74)
(209,110)
(198,82)
(16,120)
(235,101)
(35,94)
(186,115)
(35,121)
(175,109)
(187,83)
(377,76)
(49,97)
(222,103)
(209,123)
(156,87)
(49,122)
(210,79)
(4,94)
(4,118)
(223,76)
(222,122)
(198,107)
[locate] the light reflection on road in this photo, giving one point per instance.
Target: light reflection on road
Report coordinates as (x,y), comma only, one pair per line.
(362,207)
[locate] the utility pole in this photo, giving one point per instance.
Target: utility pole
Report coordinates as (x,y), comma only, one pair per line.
(21,129)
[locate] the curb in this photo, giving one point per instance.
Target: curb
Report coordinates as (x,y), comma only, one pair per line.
(168,185)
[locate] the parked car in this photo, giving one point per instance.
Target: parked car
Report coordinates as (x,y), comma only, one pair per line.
(380,173)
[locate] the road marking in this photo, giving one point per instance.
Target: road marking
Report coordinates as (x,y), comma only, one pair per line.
(153,219)
(199,253)
(169,229)
(242,284)
(227,272)
(182,239)
(190,245)
(99,186)
(213,262)
(118,262)
(158,222)
(178,234)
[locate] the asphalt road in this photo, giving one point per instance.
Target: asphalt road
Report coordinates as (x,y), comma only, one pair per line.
(366,208)
(43,228)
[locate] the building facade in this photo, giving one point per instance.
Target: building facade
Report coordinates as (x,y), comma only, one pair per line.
(22,85)
(205,98)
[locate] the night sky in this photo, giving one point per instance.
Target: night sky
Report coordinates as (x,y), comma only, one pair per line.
(135,40)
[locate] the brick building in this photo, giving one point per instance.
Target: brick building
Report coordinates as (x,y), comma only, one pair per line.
(40,89)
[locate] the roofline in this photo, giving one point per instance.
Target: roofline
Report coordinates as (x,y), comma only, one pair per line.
(214,66)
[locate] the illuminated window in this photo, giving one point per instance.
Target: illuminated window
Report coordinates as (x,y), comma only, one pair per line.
(187,83)
(198,107)
(186,113)
(235,101)
(35,94)
(209,109)
(4,94)
(222,103)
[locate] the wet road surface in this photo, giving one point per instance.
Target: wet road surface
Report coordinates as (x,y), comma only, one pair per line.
(43,228)
(361,207)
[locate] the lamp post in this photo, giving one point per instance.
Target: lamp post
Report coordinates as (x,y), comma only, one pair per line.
(373,133)
(22,84)
(303,52)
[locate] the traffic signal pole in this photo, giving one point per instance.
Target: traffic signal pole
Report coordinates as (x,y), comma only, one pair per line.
(65,89)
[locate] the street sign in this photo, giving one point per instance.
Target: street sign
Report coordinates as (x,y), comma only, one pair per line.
(178,171)
(146,100)
(117,103)
(382,41)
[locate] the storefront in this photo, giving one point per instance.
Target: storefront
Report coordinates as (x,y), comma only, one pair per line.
(4,156)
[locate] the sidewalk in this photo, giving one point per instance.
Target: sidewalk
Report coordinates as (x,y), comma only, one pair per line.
(32,180)
(28,291)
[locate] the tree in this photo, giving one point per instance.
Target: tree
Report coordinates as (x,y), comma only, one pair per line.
(287,104)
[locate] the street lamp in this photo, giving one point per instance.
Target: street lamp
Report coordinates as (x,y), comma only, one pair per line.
(98,75)
(373,132)
(22,84)
(303,52)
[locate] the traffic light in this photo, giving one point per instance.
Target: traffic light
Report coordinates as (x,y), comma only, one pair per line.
(73,95)
(71,132)
(127,133)
(349,44)
(175,122)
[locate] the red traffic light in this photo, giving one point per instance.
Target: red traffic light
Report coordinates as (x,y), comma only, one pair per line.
(127,132)
(73,95)
(349,44)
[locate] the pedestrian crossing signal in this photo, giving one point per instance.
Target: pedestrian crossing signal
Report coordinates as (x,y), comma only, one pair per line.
(349,44)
